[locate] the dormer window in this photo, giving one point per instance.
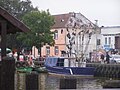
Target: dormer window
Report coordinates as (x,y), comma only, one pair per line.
(62,20)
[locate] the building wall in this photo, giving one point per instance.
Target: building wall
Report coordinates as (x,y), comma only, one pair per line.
(117,42)
(62,41)
(59,42)
(61,36)
(109,32)
(82,46)
(76,23)
(34,51)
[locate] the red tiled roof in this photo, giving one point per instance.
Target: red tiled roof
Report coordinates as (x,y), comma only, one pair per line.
(60,20)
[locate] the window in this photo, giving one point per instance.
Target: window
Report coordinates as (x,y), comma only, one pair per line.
(109,40)
(98,41)
(60,62)
(106,40)
(47,50)
(56,34)
(62,20)
(61,31)
(56,50)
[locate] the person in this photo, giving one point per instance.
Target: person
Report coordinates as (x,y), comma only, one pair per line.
(107,58)
(102,58)
(21,57)
(15,55)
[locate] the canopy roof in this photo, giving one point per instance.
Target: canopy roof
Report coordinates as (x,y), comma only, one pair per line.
(13,24)
(9,24)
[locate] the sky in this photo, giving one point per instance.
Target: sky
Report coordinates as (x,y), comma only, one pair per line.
(107,12)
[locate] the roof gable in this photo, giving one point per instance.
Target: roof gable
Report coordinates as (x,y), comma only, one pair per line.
(74,20)
(77,20)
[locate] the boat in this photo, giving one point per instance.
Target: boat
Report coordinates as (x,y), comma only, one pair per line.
(60,65)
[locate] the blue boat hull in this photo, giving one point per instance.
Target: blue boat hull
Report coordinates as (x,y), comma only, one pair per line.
(89,71)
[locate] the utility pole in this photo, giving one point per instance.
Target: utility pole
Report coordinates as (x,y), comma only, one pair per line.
(96,24)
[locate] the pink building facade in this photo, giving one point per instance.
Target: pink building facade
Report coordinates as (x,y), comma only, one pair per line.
(59,46)
(60,36)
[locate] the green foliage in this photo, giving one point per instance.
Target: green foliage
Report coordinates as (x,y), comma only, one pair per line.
(18,8)
(39,24)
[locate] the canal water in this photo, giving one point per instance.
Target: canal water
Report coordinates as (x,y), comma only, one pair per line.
(52,82)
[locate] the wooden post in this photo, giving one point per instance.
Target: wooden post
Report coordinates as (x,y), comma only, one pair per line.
(32,81)
(42,79)
(7,63)
(20,81)
(7,73)
(3,38)
(68,83)
(0,75)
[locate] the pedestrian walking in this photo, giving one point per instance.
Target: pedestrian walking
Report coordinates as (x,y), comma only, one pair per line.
(107,58)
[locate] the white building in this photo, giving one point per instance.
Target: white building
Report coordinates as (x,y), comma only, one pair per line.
(83,35)
(110,38)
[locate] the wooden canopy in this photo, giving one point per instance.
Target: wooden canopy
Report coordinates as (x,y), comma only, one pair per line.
(13,24)
(9,24)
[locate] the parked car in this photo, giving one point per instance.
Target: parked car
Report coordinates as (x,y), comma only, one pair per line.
(114,58)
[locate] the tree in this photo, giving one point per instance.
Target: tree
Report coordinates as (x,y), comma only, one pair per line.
(40,24)
(18,8)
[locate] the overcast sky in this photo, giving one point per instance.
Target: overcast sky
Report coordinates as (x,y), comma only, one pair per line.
(107,12)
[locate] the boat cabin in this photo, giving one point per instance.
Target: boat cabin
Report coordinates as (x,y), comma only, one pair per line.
(60,62)
(54,61)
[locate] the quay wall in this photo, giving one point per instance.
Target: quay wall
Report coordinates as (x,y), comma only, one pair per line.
(105,70)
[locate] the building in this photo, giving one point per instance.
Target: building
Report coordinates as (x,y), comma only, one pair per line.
(74,35)
(110,38)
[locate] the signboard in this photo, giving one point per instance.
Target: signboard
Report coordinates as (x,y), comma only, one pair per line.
(107,47)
